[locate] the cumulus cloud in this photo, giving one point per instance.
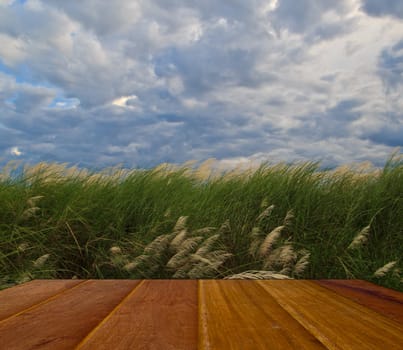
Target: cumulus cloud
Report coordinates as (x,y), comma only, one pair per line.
(145,82)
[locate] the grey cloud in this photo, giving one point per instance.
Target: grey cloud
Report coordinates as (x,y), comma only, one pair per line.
(306,15)
(390,135)
(29,99)
(390,66)
(334,122)
(379,8)
(102,17)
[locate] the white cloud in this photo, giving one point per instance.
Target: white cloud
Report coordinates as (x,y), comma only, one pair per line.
(15,151)
(12,50)
(6,2)
(122,101)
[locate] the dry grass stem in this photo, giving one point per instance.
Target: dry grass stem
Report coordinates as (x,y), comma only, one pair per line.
(257,275)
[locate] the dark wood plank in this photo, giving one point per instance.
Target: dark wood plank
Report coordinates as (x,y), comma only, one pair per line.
(386,301)
(62,322)
(159,314)
(19,298)
(338,322)
(240,314)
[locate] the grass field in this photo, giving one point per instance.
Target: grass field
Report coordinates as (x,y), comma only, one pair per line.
(276,221)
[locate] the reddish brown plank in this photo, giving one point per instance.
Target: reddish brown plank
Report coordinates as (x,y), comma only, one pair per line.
(386,301)
(159,314)
(240,314)
(16,299)
(338,322)
(62,322)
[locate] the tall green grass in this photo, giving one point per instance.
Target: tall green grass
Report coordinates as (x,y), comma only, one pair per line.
(276,221)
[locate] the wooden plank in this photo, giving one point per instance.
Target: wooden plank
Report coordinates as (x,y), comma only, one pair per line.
(19,298)
(339,323)
(240,314)
(159,314)
(386,301)
(62,322)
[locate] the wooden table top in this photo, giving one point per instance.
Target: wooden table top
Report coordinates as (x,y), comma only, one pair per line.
(200,314)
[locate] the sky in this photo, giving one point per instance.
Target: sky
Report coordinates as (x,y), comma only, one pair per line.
(142,82)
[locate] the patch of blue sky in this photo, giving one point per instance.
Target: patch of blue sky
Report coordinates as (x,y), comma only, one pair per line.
(19,2)
(23,74)
(5,69)
(64,103)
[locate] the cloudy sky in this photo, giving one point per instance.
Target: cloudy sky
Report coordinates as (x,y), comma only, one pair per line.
(141,82)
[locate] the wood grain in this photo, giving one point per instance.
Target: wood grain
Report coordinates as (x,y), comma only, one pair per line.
(386,301)
(338,322)
(23,296)
(159,314)
(238,314)
(63,322)
(200,314)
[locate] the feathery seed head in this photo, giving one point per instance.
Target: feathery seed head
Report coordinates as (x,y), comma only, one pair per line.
(385,269)
(167,213)
(302,263)
(158,245)
(181,223)
(141,259)
(115,250)
(265,214)
(271,238)
(23,247)
(287,255)
(360,239)
(264,203)
(182,256)
(288,218)
(225,228)
(207,244)
(204,230)
(177,241)
(204,171)
(41,260)
(32,201)
(256,232)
